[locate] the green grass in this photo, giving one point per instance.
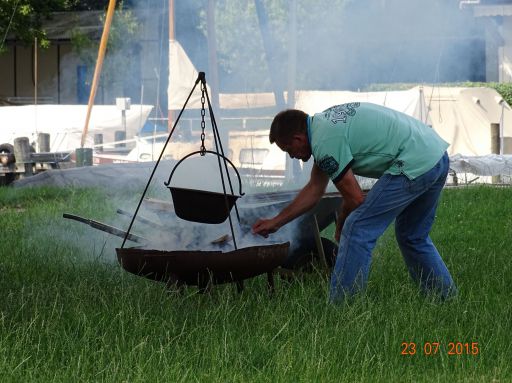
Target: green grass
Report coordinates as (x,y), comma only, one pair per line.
(69,313)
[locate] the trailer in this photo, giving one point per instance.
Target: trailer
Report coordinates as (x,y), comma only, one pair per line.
(21,159)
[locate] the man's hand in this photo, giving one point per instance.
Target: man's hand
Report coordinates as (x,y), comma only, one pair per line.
(304,201)
(264,227)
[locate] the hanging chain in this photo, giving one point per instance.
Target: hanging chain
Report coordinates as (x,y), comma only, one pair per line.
(203,112)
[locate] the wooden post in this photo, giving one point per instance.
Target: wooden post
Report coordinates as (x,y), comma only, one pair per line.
(98,142)
(35,71)
(120,135)
(97,70)
(495,147)
(83,157)
(43,142)
(22,154)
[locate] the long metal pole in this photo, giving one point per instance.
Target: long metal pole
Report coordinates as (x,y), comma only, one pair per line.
(99,65)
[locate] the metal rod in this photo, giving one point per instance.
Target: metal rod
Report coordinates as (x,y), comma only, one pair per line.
(106,228)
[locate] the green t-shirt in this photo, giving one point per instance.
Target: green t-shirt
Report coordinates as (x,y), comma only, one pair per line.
(372,140)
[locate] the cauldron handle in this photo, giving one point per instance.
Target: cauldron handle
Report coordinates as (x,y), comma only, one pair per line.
(211,152)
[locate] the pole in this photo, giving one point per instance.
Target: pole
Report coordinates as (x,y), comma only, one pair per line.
(171,20)
(170,114)
(35,71)
(495,147)
(269,48)
(502,146)
(35,83)
(292,52)
(212,54)
(99,64)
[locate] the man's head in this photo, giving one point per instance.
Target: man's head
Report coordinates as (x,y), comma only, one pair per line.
(289,132)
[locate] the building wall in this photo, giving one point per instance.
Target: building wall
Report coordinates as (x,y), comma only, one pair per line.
(17,68)
(7,83)
(58,80)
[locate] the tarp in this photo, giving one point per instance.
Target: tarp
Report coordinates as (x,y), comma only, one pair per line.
(65,123)
(410,101)
(182,77)
(463,117)
(489,165)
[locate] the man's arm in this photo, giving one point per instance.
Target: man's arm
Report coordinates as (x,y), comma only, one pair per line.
(352,198)
(304,201)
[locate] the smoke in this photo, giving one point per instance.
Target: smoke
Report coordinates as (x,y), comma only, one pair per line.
(183,235)
(352,44)
(340,45)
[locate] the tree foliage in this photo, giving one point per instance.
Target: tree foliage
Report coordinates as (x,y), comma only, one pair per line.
(23,19)
(122,44)
(242,59)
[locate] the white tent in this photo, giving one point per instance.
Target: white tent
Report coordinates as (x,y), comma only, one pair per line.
(463,117)
(410,101)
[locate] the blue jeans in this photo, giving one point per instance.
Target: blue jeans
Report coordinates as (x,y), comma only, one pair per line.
(412,204)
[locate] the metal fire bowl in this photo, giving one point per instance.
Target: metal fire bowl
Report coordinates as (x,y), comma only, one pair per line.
(201,267)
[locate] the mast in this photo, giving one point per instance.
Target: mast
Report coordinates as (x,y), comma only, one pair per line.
(97,69)
(170,115)
(292,52)
(212,54)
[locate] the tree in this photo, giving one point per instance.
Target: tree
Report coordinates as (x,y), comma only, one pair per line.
(243,65)
(23,19)
(120,68)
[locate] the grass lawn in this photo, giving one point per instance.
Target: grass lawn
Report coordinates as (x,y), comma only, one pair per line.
(69,313)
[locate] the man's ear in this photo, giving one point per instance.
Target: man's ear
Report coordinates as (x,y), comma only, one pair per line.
(299,136)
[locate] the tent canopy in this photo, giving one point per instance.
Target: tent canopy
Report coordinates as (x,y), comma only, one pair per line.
(463,117)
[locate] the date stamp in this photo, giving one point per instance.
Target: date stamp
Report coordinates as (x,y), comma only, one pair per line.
(437,348)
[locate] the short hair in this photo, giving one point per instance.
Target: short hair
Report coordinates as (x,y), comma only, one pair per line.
(287,123)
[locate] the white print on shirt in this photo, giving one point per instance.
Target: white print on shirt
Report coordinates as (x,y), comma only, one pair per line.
(341,112)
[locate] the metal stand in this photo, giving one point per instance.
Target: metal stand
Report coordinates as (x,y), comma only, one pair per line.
(218,148)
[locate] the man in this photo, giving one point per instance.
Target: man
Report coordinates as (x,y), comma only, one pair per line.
(411,164)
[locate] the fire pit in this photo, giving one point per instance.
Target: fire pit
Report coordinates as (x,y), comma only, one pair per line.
(197,267)
(204,268)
